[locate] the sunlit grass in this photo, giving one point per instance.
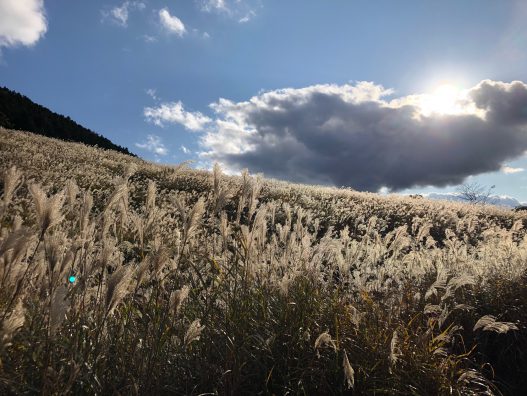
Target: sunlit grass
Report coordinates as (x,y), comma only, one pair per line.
(120,276)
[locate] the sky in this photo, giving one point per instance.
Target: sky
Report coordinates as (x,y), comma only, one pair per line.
(392,96)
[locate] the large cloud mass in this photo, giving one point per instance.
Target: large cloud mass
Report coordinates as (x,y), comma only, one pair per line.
(22,22)
(353,135)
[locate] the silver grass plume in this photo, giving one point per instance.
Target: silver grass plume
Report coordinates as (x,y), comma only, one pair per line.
(221,194)
(448,335)
(59,306)
(194,218)
(395,350)
(489,323)
(17,222)
(473,378)
(225,229)
(158,260)
(117,287)
(120,193)
(460,281)
(244,193)
(324,339)
(180,205)
(439,284)
(193,332)
(71,192)
(354,315)
(16,241)
(47,209)
(151,197)
(178,298)
(12,324)
(87,204)
(130,169)
(141,271)
(256,186)
(517,226)
(108,252)
(349,373)
(12,180)
(53,249)
(457,282)
(139,224)
(66,263)
(424,232)
(216,173)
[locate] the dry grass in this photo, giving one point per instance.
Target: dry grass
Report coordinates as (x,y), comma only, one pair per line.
(189,282)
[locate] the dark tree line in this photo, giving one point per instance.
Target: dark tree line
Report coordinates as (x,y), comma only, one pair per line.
(19,112)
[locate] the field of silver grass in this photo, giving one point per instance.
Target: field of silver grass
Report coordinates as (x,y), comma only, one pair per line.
(122,276)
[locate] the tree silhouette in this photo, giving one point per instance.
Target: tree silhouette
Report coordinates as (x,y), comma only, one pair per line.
(475,193)
(19,112)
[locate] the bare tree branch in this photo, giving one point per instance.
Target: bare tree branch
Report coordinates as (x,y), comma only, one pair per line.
(475,193)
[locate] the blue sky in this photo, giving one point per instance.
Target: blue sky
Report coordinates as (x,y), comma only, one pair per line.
(145,73)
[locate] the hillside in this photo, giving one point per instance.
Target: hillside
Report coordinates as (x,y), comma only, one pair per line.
(118,275)
(19,112)
(497,200)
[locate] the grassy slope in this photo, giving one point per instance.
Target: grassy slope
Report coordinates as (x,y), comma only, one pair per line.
(384,277)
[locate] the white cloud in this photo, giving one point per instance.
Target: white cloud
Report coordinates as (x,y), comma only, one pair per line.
(152,93)
(149,39)
(241,10)
(510,170)
(119,14)
(154,145)
(247,17)
(173,112)
(354,135)
(185,150)
(214,5)
(171,23)
(22,22)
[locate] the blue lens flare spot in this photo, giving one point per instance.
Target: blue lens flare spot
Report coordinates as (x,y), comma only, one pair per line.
(72,279)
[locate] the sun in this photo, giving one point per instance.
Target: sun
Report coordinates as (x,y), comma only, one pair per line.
(445,99)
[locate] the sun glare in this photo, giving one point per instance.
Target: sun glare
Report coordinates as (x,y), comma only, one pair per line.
(444,100)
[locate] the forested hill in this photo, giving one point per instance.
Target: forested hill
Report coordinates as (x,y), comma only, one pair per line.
(19,112)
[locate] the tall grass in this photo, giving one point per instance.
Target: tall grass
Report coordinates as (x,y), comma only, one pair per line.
(120,276)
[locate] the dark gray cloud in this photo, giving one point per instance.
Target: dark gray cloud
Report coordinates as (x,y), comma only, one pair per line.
(352,135)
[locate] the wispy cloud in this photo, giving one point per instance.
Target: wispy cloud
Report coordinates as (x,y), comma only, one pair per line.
(154,145)
(149,39)
(355,135)
(185,150)
(119,14)
(247,17)
(510,170)
(174,113)
(152,93)
(22,22)
(171,23)
(214,5)
(241,10)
